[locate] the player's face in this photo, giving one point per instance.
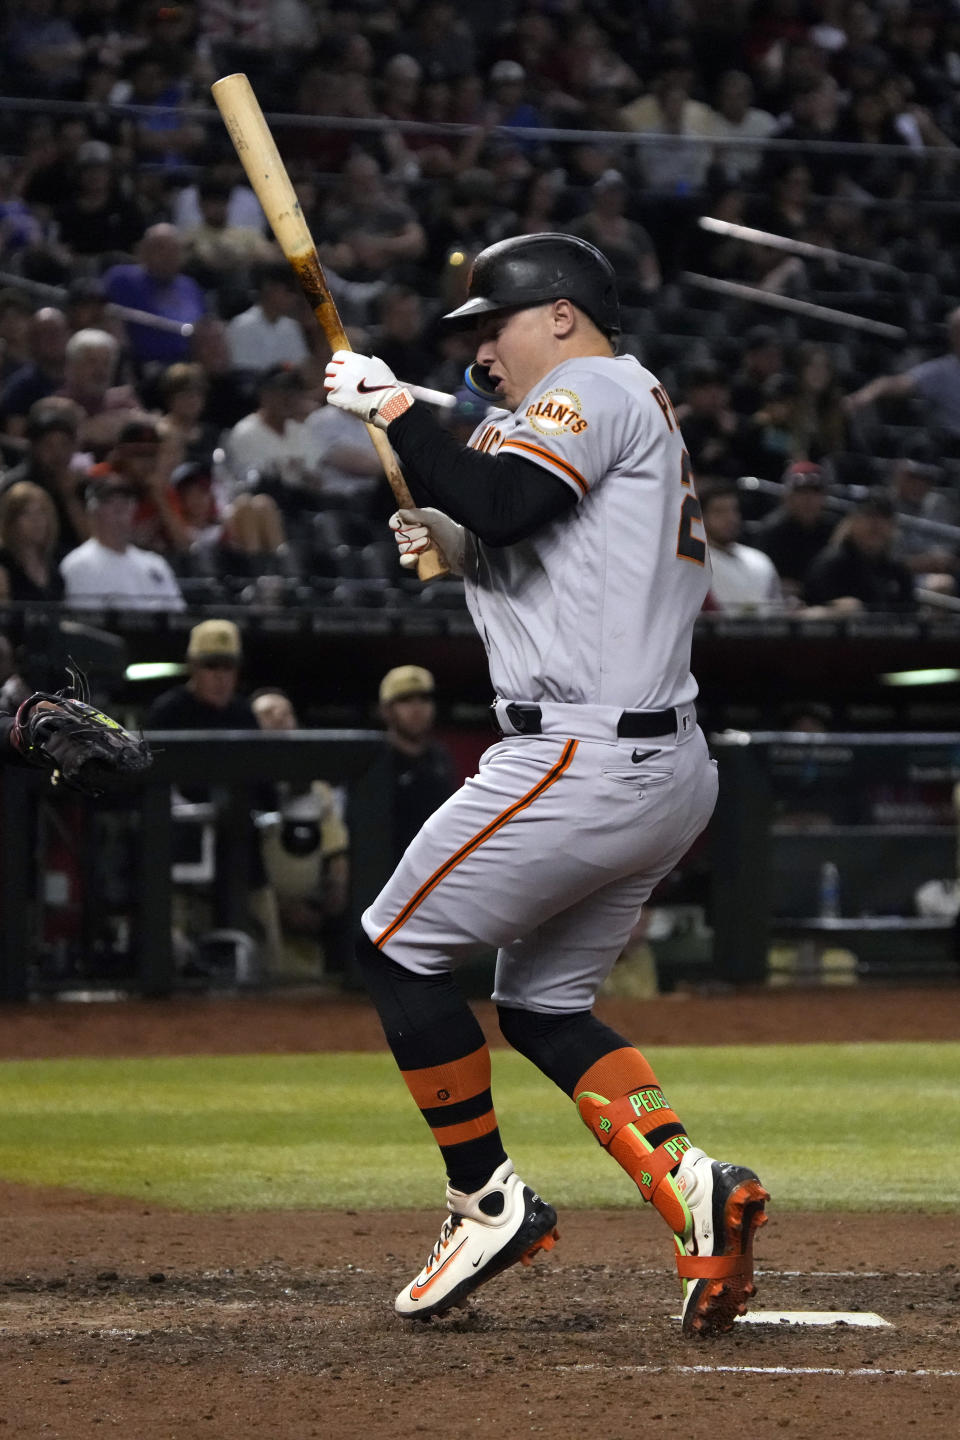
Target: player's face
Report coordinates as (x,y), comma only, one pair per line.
(517,349)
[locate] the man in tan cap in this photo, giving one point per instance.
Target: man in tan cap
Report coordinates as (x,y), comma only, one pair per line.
(209,701)
(420,771)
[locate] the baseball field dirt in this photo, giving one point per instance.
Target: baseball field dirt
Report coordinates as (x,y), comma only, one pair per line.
(116,1318)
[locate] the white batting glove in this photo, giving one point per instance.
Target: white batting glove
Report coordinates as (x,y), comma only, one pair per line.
(365,386)
(416,530)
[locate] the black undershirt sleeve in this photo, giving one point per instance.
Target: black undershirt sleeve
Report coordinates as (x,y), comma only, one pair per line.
(500,498)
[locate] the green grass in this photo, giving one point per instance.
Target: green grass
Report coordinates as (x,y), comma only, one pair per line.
(859,1127)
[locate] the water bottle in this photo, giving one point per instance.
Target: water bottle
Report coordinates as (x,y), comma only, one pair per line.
(829,891)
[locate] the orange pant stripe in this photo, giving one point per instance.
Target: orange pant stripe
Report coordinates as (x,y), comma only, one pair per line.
(502,819)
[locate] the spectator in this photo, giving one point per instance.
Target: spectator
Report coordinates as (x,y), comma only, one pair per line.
(369,227)
(28,545)
(813,115)
(89,381)
(795,533)
(509,102)
(85,306)
(412,154)
(95,216)
(230,393)
(441,41)
(760,359)
(273,444)
(49,163)
(711,431)
(588,59)
(43,51)
(15,314)
(20,227)
(268,334)
(227,536)
(163,135)
(936,383)
(669,109)
(626,244)
(417,772)
(785,206)
(735,118)
(220,256)
(539,205)
(144,461)
(306,856)
(52,427)
(933,561)
(108,569)
(347,466)
(771,439)
(399,338)
(209,700)
(156,283)
(42,375)
(743,578)
(858,571)
(243,210)
(183,390)
(819,421)
(470,215)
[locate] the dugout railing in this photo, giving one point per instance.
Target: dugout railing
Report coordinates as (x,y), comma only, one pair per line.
(227,762)
(877,809)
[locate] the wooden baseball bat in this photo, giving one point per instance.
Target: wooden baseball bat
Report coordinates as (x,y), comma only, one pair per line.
(258,154)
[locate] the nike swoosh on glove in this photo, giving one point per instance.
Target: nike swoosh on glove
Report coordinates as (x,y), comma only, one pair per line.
(416,530)
(366,387)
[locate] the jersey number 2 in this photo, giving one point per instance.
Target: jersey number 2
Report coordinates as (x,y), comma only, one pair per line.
(689,546)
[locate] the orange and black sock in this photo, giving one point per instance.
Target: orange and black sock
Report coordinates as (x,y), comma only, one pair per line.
(616,1092)
(442,1054)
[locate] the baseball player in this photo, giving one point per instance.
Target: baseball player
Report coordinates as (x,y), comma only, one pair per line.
(573,519)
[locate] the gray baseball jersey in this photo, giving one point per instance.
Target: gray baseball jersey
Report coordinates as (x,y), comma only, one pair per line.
(598,607)
(550,851)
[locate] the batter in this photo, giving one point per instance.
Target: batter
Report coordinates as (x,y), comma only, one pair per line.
(572,516)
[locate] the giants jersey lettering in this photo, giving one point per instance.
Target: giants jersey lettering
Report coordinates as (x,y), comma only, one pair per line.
(596,608)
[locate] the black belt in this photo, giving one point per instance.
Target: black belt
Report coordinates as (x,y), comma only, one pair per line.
(632,725)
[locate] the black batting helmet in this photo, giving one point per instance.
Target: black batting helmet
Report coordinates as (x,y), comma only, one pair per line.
(531,269)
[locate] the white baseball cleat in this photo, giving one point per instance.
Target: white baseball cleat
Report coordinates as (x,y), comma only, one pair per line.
(715,1259)
(487,1231)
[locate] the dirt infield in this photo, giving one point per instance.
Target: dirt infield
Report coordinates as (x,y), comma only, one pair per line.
(161,1325)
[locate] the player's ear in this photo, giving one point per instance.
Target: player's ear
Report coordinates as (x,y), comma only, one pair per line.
(564,317)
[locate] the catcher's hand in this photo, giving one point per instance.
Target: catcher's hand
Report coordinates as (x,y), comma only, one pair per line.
(416,530)
(77,743)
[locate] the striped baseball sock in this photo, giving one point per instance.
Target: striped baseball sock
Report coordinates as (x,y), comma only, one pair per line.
(443,1056)
(620,1100)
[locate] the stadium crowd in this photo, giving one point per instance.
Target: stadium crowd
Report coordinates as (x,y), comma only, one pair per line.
(179,459)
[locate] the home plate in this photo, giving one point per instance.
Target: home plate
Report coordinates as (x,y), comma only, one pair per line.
(814,1317)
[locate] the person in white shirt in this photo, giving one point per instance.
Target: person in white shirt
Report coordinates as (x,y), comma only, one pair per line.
(273,441)
(267,334)
(743,578)
(107,570)
(736,116)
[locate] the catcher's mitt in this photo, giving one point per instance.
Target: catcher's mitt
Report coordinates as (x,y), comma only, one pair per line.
(77,743)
